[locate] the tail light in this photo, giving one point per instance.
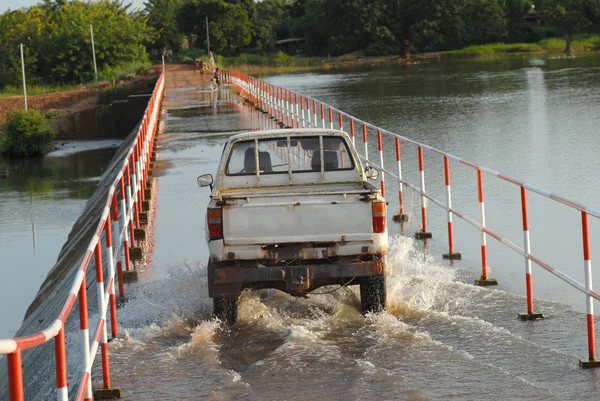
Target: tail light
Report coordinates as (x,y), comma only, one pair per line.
(379,215)
(215,223)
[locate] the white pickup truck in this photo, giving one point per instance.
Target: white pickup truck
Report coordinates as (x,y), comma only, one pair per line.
(294,210)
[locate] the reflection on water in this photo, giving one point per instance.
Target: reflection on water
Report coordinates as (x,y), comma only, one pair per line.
(40,199)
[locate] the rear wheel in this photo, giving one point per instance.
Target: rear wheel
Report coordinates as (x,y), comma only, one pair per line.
(372,294)
(225,308)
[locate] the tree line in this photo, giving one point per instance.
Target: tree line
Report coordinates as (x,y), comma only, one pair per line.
(58,44)
(379,27)
(57,41)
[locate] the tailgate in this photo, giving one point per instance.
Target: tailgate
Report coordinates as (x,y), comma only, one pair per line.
(293,219)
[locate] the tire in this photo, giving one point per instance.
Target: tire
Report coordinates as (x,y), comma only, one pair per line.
(372,294)
(225,308)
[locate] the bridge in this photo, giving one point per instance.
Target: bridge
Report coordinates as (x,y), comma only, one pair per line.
(117,234)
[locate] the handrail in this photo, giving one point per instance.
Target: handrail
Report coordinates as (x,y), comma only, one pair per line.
(293,110)
(130,184)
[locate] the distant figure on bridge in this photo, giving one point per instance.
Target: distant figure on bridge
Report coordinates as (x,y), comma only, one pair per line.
(196,67)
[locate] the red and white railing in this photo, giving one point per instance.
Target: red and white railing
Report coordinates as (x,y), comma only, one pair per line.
(266,97)
(121,210)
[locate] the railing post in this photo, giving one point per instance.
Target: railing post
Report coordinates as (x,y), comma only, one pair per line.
(130,211)
(111,267)
(380,147)
(451,254)
(303,113)
(530,315)
(102,312)
(484,279)
(366,145)
(60,353)
(297,100)
(315,114)
(341,122)
(85,339)
(322,115)
(15,376)
(330,118)
(589,301)
(400,217)
(352,132)
(423,234)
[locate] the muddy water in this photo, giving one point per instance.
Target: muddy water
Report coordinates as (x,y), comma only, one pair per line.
(39,202)
(442,338)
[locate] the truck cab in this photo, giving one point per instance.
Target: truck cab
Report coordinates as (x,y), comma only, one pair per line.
(294,210)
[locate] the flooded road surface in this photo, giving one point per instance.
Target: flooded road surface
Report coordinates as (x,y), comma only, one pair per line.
(39,202)
(442,337)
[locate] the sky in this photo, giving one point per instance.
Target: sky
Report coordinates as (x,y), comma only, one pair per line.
(15,4)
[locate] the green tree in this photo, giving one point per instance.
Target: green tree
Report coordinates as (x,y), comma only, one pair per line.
(162,17)
(57,44)
(268,14)
(229,25)
(571,16)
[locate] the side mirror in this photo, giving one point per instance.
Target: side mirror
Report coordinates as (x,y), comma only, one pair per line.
(371,173)
(205,180)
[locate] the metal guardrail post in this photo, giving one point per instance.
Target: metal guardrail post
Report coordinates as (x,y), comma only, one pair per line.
(380,147)
(423,234)
(484,279)
(400,217)
(451,253)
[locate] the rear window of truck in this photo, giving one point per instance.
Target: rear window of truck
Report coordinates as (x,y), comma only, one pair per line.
(278,155)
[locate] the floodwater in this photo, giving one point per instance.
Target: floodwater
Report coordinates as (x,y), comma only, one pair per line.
(40,199)
(442,337)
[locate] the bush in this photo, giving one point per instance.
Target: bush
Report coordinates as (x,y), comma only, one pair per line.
(27,133)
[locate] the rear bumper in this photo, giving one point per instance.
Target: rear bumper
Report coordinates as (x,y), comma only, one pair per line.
(295,280)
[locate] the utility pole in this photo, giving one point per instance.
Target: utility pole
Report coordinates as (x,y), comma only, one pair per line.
(23,69)
(94,54)
(207,37)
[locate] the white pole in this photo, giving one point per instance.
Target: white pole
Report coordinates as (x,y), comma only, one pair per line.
(23,70)
(94,54)
(163,61)
(207,37)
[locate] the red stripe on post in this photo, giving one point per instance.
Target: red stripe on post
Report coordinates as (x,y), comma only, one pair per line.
(397,149)
(529,284)
(586,236)
(424,217)
(484,262)
(99,273)
(83,312)
(379,142)
(15,376)
(421,163)
(450,238)
(352,128)
(60,353)
(364,133)
(480,185)
(105,365)
(447,171)
(330,116)
(591,337)
(341,122)
(524,211)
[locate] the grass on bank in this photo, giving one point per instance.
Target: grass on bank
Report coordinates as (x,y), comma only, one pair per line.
(584,42)
(37,89)
(113,75)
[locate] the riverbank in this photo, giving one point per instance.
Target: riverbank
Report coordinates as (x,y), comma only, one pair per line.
(282,64)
